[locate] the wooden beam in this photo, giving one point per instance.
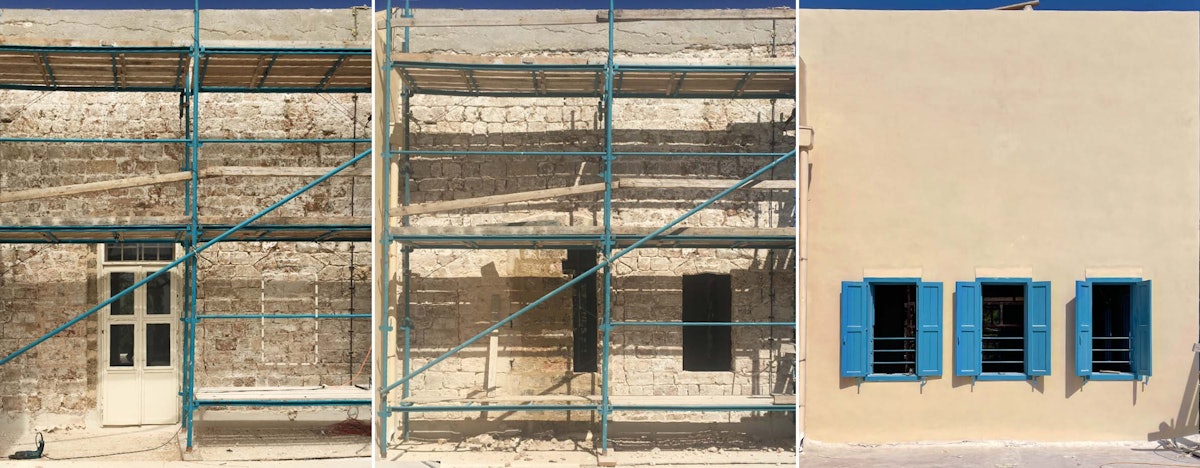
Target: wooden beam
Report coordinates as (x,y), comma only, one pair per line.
(586,17)
(522,19)
(232,171)
(698,15)
(706,184)
(487,60)
(451,205)
(34,194)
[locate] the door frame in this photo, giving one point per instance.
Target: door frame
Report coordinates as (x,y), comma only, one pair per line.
(103,269)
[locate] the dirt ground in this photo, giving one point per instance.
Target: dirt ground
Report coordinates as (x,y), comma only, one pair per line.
(1003,455)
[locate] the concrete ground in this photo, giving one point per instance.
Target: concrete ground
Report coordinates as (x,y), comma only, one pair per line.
(1002,455)
(224,443)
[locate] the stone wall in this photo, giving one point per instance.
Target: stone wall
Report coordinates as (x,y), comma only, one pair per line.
(457,293)
(42,286)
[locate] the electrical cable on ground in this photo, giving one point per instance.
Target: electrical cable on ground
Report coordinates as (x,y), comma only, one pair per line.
(113,454)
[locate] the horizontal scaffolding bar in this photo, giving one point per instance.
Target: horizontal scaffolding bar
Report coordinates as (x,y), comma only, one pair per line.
(475,408)
(283,316)
(735,408)
(95,140)
(284,140)
(284,51)
(366,402)
(497,153)
(704,324)
(587,153)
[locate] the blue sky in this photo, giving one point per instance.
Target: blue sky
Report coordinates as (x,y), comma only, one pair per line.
(600,4)
(179,4)
(1191,5)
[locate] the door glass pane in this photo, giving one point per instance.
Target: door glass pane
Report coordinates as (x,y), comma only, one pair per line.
(158,295)
(120,345)
(117,283)
(158,344)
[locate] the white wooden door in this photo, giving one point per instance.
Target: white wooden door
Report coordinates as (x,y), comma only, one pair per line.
(139,363)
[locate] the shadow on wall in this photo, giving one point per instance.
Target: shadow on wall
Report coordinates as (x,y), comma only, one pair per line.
(534,351)
(1185,422)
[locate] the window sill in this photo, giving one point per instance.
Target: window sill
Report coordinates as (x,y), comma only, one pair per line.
(1112,377)
(1001,376)
(892,378)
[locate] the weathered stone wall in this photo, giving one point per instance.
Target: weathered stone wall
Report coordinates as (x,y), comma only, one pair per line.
(42,286)
(457,293)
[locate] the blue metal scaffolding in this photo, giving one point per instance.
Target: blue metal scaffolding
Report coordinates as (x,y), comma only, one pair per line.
(608,81)
(191,71)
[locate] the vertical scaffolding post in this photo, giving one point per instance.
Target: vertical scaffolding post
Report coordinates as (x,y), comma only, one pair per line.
(607,240)
(193,233)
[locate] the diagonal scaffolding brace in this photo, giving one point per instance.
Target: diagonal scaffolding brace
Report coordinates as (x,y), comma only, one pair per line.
(580,277)
(184,258)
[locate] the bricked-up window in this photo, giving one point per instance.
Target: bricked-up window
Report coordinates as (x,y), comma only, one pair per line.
(139,252)
(584,322)
(707,298)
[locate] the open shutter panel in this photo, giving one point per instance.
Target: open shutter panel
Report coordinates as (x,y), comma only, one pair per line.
(968,341)
(1140,343)
(855,330)
(1083,328)
(929,329)
(1037,329)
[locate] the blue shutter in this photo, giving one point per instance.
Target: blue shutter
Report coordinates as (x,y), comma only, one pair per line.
(1037,329)
(1140,344)
(856,330)
(929,329)
(968,338)
(1083,328)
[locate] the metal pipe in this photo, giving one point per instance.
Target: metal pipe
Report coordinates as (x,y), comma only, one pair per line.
(286,140)
(500,153)
(606,321)
(281,316)
(193,209)
(96,140)
(477,408)
(591,271)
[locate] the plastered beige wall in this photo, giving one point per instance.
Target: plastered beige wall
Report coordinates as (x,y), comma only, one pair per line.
(1047,141)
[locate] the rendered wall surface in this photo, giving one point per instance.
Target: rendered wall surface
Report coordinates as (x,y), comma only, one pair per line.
(457,293)
(42,286)
(955,142)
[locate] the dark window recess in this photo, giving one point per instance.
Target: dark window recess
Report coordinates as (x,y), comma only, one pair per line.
(584,322)
(118,282)
(158,344)
(139,252)
(120,345)
(707,298)
(1003,328)
(158,295)
(894,349)
(1111,305)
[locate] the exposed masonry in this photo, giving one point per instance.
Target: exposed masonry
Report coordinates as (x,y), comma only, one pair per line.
(457,293)
(42,286)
